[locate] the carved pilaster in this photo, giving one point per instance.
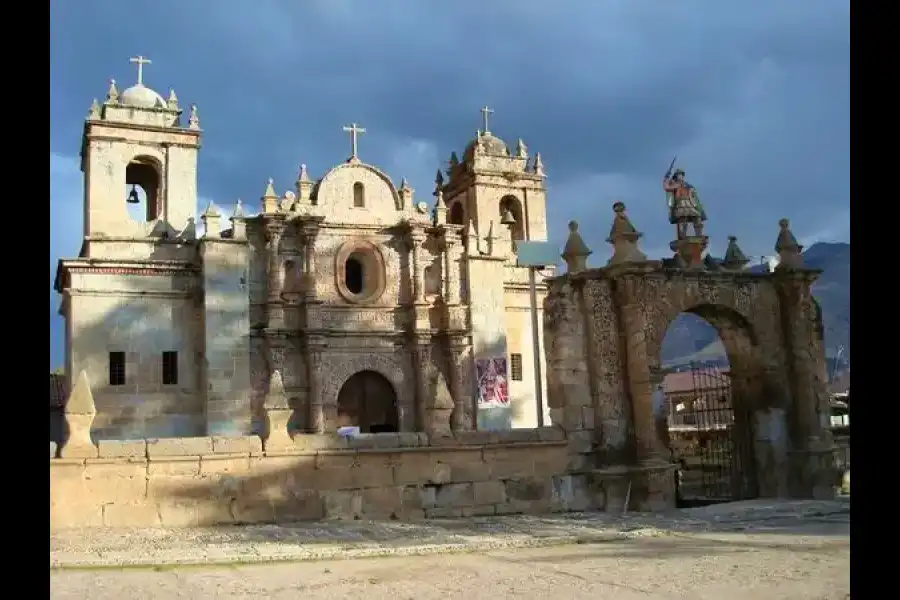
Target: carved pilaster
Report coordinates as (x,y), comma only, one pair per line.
(417,240)
(274,233)
(421,356)
(628,295)
(461,419)
(310,230)
(805,355)
(318,413)
(451,270)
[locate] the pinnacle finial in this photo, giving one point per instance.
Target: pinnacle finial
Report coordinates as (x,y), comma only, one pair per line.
(575,252)
(238,208)
(172,102)
(624,238)
(538,167)
(521,149)
(193,118)
(112,94)
(94,112)
(789,250)
(303,176)
(735,259)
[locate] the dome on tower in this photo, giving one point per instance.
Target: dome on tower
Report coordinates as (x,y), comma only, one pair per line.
(493,146)
(141,96)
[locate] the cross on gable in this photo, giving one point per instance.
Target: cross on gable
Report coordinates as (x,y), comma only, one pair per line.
(354,130)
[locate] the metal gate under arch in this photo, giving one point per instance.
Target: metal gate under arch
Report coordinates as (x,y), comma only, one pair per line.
(711,437)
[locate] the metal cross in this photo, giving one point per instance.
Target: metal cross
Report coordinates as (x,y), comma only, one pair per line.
(354,130)
(140,61)
(484,117)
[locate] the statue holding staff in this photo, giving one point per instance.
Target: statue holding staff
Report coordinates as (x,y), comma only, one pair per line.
(683,201)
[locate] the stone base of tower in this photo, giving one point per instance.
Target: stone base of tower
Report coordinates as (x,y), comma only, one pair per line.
(690,250)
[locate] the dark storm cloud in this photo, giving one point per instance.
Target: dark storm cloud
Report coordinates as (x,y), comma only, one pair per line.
(753,97)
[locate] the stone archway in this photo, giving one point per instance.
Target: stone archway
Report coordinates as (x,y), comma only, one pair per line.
(367,400)
(603,331)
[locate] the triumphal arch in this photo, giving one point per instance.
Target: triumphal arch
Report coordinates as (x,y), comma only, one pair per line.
(604,329)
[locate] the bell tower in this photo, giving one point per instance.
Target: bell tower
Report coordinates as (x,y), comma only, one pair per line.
(140,167)
(493,184)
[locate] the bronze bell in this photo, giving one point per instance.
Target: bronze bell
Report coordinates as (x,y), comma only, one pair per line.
(506,217)
(133,195)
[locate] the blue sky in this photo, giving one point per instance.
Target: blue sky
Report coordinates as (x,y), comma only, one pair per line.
(753,97)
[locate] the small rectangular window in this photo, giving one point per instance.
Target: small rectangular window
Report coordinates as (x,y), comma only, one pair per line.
(170,368)
(515,367)
(116,368)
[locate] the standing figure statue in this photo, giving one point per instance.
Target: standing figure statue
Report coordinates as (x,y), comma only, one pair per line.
(684,203)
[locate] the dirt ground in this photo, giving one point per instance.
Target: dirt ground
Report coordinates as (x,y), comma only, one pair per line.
(736,566)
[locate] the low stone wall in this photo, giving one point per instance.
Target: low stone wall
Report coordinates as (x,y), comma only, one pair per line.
(210,480)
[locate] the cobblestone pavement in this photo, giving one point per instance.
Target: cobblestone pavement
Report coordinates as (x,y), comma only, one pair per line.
(700,566)
(332,540)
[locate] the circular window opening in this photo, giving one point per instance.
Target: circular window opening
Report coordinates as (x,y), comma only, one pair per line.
(354,274)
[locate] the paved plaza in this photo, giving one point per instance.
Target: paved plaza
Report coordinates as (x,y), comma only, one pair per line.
(744,550)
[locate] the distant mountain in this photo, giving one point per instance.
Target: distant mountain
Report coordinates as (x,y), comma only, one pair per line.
(690,338)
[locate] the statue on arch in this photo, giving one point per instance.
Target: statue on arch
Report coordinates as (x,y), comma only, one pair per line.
(683,201)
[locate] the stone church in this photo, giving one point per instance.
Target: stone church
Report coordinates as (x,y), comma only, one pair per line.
(347,301)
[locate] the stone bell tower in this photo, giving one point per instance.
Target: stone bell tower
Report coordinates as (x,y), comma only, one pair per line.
(135,151)
(500,198)
(493,184)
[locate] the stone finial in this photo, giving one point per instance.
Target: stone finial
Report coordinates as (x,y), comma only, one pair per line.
(211,221)
(735,259)
(440,209)
(538,166)
(490,239)
(238,221)
(94,111)
(438,180)
(575,252)
(789,251)
(406,193)
(278,414)
(172,102)
(112,94)
(79,414)
(521,149)
(479,142)
(304,185)
(193,118)
(270,198)
(473,242)
(454,160)
(624,238)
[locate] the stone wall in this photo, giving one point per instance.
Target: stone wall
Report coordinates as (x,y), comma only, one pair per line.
(211,480)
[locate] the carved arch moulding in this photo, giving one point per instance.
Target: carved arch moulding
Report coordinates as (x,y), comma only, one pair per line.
(337,369)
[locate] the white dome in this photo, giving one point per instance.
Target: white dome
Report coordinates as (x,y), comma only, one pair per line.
(141,96)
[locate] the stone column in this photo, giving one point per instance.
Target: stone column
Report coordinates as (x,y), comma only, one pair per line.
(274,233)
(418,267)
(318,412)
(451,271)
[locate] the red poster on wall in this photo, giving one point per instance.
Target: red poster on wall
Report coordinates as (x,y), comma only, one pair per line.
(493,389)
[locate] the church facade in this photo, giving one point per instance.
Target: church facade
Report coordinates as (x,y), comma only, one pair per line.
(346,301)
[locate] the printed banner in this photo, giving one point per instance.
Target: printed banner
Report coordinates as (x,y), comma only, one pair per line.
(493,389)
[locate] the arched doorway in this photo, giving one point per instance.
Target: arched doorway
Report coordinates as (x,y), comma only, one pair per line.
(367,400)
(703,404)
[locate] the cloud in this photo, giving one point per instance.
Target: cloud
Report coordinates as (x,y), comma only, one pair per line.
(753,98)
